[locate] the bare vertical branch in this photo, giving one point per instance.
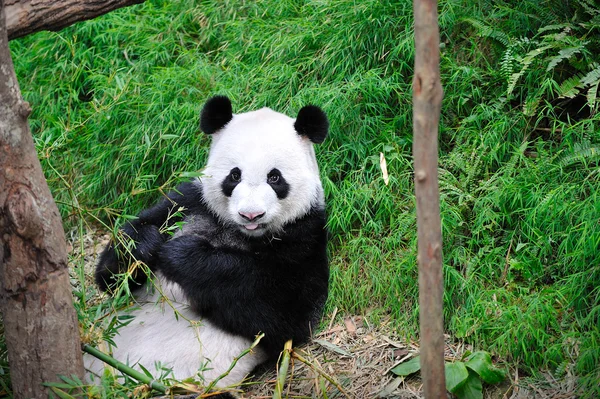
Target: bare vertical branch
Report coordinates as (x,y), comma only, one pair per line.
(427,100)
(40,323)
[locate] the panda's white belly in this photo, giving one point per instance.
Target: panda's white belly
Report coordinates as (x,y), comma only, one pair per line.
(186,345)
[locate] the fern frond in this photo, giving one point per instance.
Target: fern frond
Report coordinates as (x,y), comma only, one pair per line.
(590,7)
(561,369)
(555,38)
(570,87)
(582,152)
(486,31)
(512,82)
(553,27)
(592,77)
(506,65)
(531,103)
(592,96)
(525,62)
(564,54)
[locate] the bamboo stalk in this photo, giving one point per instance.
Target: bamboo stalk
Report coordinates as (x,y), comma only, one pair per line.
(111,361)
(234,362)
(283,369)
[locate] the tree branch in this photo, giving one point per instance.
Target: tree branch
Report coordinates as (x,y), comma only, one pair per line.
(427,100)
(24,17)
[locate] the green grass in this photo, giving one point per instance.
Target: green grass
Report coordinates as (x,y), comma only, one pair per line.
(116,103)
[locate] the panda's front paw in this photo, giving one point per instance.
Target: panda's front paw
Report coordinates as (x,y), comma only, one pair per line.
(136,243)
(148,240)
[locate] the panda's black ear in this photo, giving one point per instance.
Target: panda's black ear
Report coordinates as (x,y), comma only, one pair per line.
(216,113)
(312,123)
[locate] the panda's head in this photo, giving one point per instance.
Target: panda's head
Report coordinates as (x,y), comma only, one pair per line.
(261,171)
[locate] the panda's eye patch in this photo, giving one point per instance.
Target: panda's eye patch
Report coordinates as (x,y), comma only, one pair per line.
(231,181)
(278,183)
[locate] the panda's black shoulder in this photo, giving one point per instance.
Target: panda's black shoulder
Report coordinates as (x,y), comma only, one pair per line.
(310,227)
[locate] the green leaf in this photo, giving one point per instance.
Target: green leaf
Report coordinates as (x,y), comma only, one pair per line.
(591,95)
(169,136)
(61,385)
(481,363)
(145,370)
(564,54)
(456,375)
(409,367)
(192,174)
(471,389)
(61,394)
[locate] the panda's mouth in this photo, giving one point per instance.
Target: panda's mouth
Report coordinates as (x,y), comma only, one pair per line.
(252,226)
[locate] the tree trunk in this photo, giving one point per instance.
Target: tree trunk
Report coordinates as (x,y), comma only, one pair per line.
(28,16)
(427,100)
(40,323)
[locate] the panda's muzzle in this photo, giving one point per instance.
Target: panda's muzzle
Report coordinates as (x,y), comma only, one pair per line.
(251,217)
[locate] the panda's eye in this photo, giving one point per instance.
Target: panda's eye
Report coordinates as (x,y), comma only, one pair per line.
(273,178)
(235,175)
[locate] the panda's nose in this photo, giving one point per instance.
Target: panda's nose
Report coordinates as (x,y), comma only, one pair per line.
(251,216)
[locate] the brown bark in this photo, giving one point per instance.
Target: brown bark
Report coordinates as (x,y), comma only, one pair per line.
(40,323)
(427,100)
(28,16)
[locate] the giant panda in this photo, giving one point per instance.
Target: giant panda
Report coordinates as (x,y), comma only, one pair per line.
(239,251)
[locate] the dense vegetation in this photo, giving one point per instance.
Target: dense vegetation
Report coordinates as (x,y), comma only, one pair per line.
(116,103)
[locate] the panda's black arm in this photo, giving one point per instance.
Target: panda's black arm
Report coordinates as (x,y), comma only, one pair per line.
(233,290)
(147,233)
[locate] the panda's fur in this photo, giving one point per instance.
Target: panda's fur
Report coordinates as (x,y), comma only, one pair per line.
(248,257)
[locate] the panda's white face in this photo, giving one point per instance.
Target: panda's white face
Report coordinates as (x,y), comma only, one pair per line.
(261,174)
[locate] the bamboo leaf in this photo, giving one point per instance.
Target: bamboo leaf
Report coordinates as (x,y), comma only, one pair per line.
(145,370)
(60,393)
(192,174)
(383,166)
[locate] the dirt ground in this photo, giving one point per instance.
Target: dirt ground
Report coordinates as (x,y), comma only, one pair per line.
(352,358)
